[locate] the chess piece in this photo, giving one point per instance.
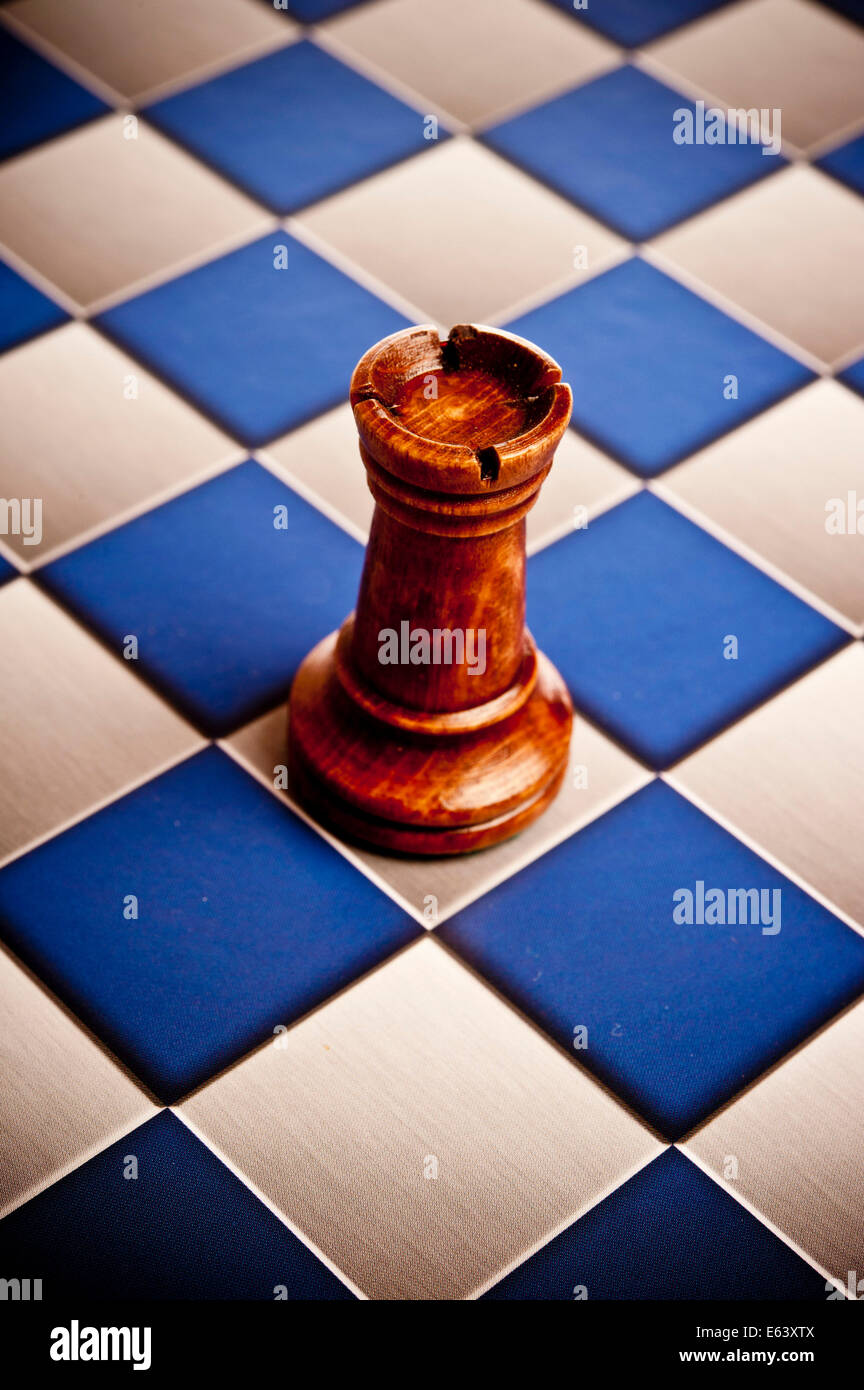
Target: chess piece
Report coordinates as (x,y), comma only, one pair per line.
(430,723)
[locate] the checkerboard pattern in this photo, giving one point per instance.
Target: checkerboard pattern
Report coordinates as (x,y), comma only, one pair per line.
(242,1059)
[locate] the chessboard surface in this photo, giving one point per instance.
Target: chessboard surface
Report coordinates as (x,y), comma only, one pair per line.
(621,1056)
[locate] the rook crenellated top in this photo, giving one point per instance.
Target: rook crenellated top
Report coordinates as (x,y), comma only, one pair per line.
(477,413)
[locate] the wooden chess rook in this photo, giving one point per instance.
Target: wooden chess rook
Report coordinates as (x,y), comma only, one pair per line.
(430,723)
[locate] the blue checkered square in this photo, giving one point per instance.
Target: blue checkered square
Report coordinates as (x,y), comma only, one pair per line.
(244,920)
(182,1227)
(37,100)
(24,310)
(678,1017)
(226,588)
(261,349)
(633,22)
(671,1232)
(656,371)
(847,164)
(292,127)
(609,147)
(639,610)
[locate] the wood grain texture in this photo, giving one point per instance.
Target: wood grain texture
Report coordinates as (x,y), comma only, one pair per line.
(443,755)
